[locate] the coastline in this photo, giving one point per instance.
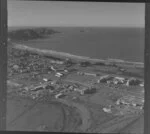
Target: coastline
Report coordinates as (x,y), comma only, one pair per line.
(77,58)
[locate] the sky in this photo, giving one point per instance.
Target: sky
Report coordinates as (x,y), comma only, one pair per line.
(92,14)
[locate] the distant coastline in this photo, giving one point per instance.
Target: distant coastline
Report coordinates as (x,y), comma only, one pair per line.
(51,27)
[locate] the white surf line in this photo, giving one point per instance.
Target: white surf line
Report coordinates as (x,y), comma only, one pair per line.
(74,57)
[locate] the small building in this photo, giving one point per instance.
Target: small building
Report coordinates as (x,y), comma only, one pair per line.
(38,88)
(66,71)
(71,87)
(81,91)
(60,95)
(89,90)
(109,82)
(59,74)
(85,64)
(105,78)
(142,84)
(80,73)
(49,87)
(45,79)
(72,70)
(98,75)
(90,74)
(77,89)
(119,80)
(107,110)
(57,62)
(68,62)
(52,68)
(131,100)
(122,69)
(53,82)
(133,82)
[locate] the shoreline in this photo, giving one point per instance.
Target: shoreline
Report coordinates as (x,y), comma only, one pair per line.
(64,55)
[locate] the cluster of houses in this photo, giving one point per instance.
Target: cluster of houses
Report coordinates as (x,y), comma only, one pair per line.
(59,72)
(131,100)
(75,88)
(36,91)
(126,104)
(115,80)
(120,80)
(59,90)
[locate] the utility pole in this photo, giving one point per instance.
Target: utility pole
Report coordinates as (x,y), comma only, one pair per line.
(3,62)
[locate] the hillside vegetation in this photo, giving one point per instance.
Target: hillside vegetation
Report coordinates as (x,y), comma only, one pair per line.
(30,34)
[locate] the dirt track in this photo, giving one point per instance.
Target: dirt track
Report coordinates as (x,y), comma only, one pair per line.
(84,113)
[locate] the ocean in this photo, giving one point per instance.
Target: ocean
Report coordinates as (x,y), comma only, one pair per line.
(96,42)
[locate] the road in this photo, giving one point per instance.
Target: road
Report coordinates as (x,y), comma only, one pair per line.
(84,113)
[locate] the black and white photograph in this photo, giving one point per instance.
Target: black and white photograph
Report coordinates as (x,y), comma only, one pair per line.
(75,67)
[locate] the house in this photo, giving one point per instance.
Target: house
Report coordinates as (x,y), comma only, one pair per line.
(60,95)
(142,84)
(45,79)
(53,82)
(37,88)
(60,62)
(57,62)
(85,64)
(89,90)
(105,78)
(76,85)
(81,91)
(80,73)
(68,62)
(52,68)
(107,110)
(98,75)
(109,82)
(138,102)
(66,71)
(59,74)
(77,89)
(90,74)
(71,87)
(133,82)
(131,100)
(122,69)
(49,87)
(119,80)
